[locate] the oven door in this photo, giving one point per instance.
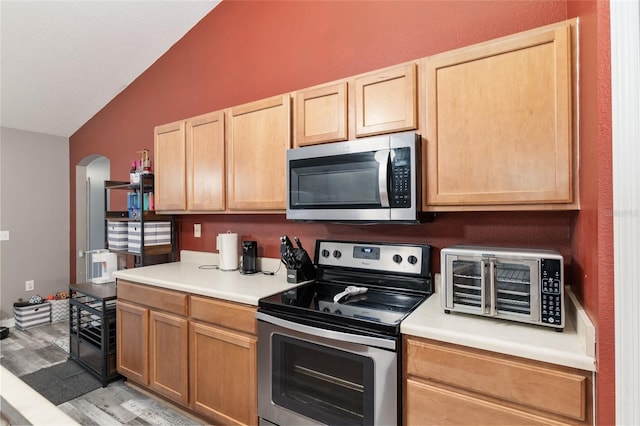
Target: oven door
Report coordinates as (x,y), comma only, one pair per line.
(309,375)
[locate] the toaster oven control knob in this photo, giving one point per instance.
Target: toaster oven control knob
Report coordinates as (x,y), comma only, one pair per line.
(325,253)
(412,260)
(337,254)
(397,258)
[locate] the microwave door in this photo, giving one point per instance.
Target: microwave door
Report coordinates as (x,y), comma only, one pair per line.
(349,186)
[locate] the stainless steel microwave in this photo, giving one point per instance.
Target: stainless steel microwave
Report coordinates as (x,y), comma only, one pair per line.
(525,285)
(373,179)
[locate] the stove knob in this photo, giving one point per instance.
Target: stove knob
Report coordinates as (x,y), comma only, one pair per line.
(325,253)
(397,258)
(338,312)
(337,254)
(326,309)
(412,260)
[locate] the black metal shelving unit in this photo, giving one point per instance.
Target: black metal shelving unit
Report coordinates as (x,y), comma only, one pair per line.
(92,329)
(148,254)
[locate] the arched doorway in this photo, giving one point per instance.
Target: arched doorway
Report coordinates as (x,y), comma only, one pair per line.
(91,173)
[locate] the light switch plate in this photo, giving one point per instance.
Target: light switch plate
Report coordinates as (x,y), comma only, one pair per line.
(197,230)
(4,235)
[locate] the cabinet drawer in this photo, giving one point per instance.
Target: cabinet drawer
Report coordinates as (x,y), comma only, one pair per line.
(226,314)
(431,405)
(153,297)
(552,389)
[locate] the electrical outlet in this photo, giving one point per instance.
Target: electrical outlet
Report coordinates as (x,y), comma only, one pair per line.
(197,230)
(4,235)
(29,285)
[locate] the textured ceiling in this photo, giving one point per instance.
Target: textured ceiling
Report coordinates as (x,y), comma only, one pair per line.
(63,61)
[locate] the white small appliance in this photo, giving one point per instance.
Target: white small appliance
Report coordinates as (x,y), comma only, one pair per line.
(106,263)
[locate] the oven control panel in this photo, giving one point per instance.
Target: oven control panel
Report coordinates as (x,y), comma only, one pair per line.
(392,258)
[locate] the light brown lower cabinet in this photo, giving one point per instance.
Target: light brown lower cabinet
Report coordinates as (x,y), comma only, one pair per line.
(447,384)
(168,356)
(197,351)
(223,374)
(223,361)
(132,333)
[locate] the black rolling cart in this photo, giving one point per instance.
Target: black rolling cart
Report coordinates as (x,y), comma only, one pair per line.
(92,329)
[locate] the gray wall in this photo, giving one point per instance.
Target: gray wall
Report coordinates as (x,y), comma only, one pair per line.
(34,208)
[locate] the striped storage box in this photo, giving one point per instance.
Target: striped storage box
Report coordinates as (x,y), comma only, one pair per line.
(135,235)
(155,234)
(29,315)
(59,310)
(117,235)
(162,234)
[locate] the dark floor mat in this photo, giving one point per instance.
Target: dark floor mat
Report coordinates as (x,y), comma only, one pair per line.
(62,382)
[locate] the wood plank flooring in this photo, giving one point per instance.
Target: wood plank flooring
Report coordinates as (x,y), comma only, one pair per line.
(27,351)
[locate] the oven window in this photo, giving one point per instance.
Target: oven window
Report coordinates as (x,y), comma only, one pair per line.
(513,286)
(323,383)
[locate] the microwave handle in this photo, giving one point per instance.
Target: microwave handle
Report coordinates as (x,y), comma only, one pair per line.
(382,157)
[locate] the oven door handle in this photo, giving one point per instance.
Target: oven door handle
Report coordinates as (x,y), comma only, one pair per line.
(328,334)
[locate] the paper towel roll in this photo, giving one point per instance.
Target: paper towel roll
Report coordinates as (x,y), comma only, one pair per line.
(227,245)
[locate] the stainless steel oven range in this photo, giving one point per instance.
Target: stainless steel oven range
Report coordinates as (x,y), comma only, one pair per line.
(329,351)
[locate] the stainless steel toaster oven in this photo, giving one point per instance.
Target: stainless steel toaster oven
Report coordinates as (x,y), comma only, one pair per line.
(525,285)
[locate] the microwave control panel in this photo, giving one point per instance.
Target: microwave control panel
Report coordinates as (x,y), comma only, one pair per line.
(551,291)
(400,191)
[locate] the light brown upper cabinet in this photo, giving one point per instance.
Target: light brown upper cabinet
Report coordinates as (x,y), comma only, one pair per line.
(382,101)
(321,114)
(258,136)
(205,163)
(499,124)
(386,101)
(170,177)
(190,165)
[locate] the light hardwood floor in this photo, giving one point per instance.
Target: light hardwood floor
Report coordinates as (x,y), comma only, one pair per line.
(27,351)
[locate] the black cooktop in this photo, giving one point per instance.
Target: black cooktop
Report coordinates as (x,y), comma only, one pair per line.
(396,278)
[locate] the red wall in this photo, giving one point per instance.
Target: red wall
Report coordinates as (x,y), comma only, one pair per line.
(248,50)
(592,235)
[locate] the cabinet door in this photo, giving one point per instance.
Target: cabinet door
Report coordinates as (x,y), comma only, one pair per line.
(169,169)
(132,324)
(223,375)
(386,101)
(499,122)
(321,115)
(205,163)
(258,137)
(169,362)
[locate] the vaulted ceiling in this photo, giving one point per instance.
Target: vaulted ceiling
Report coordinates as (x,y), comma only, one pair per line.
(63,61)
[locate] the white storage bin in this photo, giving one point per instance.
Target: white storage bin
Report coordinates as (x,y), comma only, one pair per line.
(29,315)
(161,234)
(59,310)
(117,235)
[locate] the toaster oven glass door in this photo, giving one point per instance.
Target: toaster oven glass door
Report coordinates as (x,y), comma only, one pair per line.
(499,287)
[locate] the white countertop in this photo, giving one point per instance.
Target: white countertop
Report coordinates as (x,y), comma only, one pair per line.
(28,405)
(573,347)
(193,274)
